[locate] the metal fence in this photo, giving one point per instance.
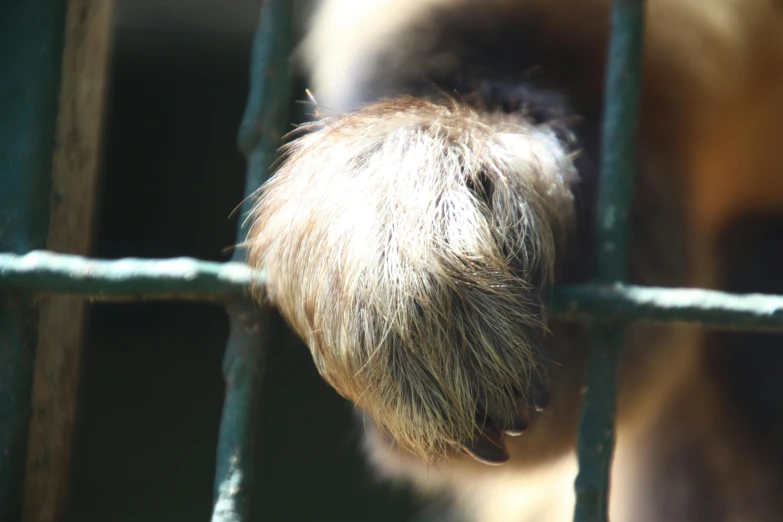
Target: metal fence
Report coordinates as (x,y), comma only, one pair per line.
(28,103)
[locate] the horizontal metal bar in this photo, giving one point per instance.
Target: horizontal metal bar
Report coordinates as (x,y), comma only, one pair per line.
(186,278)
(720,310)
(125,279)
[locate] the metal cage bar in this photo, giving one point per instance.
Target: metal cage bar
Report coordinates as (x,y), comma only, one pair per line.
(263,125)
(596,440)
(30,62)
(191,279)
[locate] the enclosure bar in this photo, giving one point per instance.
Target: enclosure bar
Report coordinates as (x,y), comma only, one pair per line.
(618,139)
(615,194)
(41,272)
(626,303)
(264,123)
(31,41)
(124,279)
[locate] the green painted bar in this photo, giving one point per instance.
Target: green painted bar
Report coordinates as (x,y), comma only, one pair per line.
(615,194)
(124,279)
(596,425)
(31,43)
(618,139)
(186,278)
(626,303)
(263,125)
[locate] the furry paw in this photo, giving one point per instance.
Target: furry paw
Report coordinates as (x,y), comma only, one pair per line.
(408,244)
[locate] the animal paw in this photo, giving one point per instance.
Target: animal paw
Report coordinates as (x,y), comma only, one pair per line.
(408,244)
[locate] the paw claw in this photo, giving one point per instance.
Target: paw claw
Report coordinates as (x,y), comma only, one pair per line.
(486,450)
(539,392)
(518,423)
(493,422)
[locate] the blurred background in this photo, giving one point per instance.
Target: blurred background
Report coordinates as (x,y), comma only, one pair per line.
(152,389)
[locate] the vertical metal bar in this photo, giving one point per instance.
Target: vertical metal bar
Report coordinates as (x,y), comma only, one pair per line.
(615,194)
(264,123)
(31,39)
(618,139)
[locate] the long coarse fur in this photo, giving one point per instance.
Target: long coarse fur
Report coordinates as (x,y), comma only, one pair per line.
(407,242)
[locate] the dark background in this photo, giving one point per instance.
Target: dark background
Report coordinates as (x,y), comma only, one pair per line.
(152,388)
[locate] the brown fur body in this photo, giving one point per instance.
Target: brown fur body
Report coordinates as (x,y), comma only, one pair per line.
(409,241)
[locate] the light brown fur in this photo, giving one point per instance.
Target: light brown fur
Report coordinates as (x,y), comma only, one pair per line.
(386,255)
